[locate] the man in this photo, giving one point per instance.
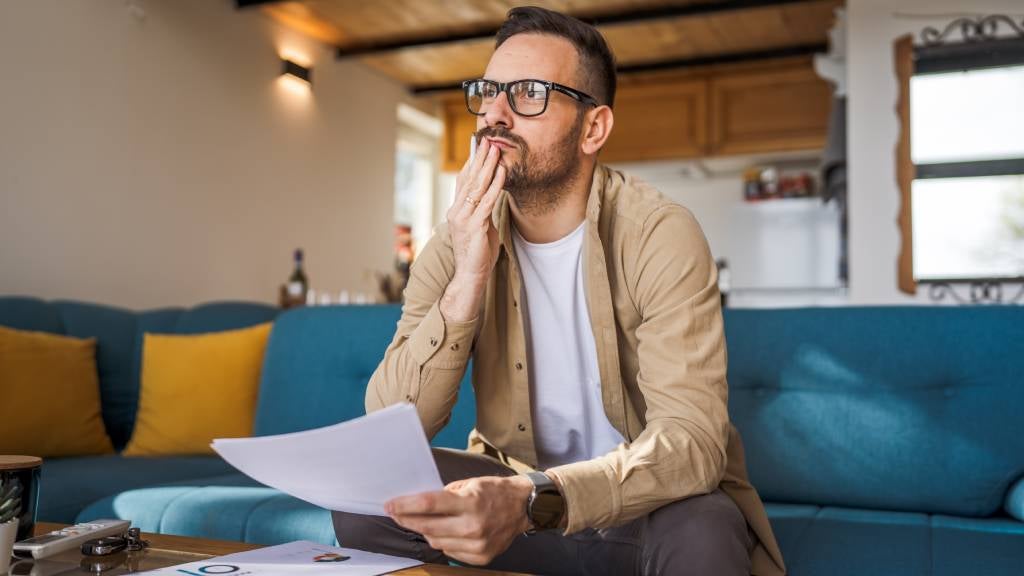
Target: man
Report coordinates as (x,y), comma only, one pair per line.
(589,306)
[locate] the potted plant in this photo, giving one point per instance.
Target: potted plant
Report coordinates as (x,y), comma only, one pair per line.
(10,509)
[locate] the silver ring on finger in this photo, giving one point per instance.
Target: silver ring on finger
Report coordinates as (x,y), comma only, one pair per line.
(472,201)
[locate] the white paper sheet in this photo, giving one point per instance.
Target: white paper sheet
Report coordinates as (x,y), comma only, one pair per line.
(301,557)
(355,466)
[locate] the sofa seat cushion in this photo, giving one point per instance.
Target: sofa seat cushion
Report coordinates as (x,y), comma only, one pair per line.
(977,546)
(229,507)
(790,523)
(70,484)
(840,541)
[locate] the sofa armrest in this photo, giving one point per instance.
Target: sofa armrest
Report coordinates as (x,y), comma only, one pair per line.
(1015,500)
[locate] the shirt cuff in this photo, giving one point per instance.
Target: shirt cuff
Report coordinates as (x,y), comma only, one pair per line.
(441,344)
(592,498)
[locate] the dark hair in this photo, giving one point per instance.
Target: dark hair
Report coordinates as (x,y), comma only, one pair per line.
(597,64)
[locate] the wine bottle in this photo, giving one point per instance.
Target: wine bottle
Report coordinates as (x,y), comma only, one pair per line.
(298,284)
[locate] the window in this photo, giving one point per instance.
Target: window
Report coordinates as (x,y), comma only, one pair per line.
(962,161)
(416,173)
(967,144)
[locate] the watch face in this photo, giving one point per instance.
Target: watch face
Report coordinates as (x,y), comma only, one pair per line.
(547,509)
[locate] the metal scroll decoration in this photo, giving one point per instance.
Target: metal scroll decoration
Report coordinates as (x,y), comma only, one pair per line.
(980,292)
(977,29)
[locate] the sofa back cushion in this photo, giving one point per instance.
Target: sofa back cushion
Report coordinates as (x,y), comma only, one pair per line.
(903,408)
(318,363)
(196,388)
(119,340)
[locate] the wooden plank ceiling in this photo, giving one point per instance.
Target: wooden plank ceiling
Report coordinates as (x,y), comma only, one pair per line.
(428,44)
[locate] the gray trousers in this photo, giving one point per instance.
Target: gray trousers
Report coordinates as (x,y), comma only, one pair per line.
(700,535)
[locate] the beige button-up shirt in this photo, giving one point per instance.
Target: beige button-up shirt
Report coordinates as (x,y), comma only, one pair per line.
(655,312)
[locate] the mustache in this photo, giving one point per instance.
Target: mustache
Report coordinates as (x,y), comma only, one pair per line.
(500,132)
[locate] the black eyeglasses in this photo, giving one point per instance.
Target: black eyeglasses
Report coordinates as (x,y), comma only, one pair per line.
(526,97)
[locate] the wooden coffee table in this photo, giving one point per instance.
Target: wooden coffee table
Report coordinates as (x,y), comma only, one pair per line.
(166,550)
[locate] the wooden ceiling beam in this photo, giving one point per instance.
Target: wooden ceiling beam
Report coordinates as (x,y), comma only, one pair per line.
(740,57)
(610,19)
(247,3)
(715,59)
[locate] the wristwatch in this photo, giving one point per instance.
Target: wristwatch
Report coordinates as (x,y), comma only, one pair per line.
(546,506)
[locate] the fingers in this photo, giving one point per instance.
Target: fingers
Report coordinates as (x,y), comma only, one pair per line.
(477,159)
(462,520)
(470,170)
(490,197)
(438,503)
(480,182)
(437,526)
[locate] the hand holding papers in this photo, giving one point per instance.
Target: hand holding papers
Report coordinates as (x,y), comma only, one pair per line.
(355,466)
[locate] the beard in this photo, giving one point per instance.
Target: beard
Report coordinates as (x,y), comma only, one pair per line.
(538,182)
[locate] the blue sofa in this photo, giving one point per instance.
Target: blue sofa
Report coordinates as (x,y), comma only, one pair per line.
(884,440)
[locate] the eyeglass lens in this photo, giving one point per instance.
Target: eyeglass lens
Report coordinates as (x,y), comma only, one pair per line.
(527,97)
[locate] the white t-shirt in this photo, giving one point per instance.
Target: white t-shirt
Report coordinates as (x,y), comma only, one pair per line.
(569,423)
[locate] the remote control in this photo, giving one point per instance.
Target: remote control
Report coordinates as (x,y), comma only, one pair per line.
(68,538)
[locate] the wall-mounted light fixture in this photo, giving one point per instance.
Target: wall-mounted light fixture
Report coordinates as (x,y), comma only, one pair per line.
(290,68)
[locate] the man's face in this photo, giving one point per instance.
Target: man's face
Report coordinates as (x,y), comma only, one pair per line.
(541,153)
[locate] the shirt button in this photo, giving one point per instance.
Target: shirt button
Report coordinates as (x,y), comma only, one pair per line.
(519,365)
(522,428)
(433,341)
(515,304)
(408,398)
(455,346)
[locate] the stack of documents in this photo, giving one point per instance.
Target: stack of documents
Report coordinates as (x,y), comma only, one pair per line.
(355,466)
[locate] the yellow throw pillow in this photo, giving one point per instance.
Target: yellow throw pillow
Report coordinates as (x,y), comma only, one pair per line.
(49,395)
(196,388)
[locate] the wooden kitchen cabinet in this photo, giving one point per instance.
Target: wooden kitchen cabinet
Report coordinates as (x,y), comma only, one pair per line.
(659,121)
(459,125)
(773,110)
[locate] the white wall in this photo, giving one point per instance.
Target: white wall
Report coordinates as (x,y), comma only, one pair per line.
(873,130)
(161,160)
(779,252)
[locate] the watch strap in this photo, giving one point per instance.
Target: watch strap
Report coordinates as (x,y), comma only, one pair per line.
(539,510)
